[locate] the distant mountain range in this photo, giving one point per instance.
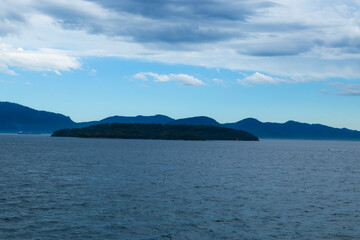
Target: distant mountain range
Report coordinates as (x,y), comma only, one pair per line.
(15,118)
(293,130)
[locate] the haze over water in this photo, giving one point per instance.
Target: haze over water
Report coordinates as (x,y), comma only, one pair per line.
(68,188)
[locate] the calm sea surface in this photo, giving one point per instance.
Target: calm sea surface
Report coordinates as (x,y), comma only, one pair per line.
(68,188)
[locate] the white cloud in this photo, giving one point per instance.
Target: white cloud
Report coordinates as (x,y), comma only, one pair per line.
(347,89)
(220,82)
(141,76)
(216,80)
(186,80)
(4,69)
(35,60)
(259,78)
(183,79)
(92,72)
(324,91)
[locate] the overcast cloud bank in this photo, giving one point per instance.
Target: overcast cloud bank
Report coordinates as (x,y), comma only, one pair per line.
(290,39)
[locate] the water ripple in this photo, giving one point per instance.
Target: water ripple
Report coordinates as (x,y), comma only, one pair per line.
(67,188)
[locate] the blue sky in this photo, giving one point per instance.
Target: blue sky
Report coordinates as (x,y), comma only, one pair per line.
(273,60)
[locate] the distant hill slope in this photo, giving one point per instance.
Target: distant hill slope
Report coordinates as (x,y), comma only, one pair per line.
(15,118)
(293,130)
(157,119)
(202,120)
(156,131)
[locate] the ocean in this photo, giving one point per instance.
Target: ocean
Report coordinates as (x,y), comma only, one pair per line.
(71,188)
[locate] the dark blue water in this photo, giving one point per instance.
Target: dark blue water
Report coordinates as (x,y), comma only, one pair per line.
(68,188)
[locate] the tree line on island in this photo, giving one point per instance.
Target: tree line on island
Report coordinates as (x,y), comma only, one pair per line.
(156,131)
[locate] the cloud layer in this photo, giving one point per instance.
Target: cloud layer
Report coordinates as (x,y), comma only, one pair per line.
(183,79)
(285,38)
(40,60)
(347,89)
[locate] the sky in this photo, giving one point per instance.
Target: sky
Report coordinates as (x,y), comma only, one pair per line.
(274,60)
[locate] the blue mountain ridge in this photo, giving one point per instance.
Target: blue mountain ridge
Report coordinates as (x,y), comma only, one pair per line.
(15,118)
(202,120)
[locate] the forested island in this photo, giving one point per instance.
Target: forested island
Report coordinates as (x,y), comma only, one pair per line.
(156,131)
